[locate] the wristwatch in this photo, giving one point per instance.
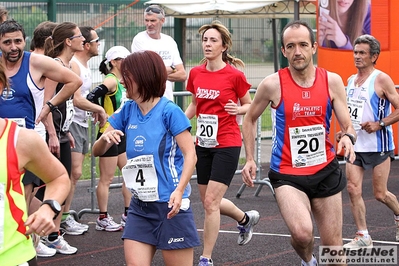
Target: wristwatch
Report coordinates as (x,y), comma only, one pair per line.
(173,68)
(54,205)
(351,137)
(381,123)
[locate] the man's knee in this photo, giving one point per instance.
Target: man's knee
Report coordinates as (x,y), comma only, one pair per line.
(354,190)
(380,196)
(302,237)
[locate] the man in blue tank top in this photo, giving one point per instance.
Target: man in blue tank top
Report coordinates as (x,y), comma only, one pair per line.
(27,73)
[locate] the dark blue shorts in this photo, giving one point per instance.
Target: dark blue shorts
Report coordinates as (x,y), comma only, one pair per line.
(369,160)
(147,223)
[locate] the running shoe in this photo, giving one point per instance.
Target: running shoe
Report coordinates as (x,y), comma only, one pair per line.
(35,239)
(85,227)
(397,229)
(44,251)
(123,219)
(107,224)
(72,227)
(360,241)
(245,233)
(205,262)
(60,245)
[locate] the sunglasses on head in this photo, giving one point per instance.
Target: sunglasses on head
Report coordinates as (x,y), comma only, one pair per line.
(153,9)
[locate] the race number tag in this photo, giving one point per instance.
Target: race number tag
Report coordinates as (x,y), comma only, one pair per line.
(207,130)
(141,178)
(70,112)
(20,121)
(307,145)
(356,108)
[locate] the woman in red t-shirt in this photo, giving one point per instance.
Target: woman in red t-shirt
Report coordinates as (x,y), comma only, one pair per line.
(220,93)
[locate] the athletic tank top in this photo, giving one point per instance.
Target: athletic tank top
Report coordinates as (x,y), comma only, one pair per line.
(15,246)
(301,126)
(365,105)
(112,102)
(24,100)
(81,116)
(63,115)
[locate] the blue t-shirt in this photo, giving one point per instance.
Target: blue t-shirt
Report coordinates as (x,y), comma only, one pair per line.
(153,134)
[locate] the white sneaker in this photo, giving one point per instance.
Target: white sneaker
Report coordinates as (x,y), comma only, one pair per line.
(44,251)
(35,239)
(397,229)
(245,233)
(84,227)
(123,219)
(205,261)
(60,245)
(107,224)
(72,227)
(360,241)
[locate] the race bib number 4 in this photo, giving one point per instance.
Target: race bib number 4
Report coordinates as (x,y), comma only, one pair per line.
(307,145)
(207,130)
(141,178)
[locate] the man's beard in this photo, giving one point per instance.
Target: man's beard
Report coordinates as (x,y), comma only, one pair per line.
(13,59)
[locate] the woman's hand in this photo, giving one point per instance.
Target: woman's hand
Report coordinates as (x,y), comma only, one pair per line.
(232,108)
(174,203)
(330,30)
(112,136)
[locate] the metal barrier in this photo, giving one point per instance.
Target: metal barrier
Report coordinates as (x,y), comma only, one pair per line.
(258,180)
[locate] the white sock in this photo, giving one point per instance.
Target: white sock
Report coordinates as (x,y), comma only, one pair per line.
(312,262)
(365,233)
(396,217)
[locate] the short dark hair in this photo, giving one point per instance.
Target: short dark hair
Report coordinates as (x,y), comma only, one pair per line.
(86,32)
(11,26)
(297,24)
(147,70)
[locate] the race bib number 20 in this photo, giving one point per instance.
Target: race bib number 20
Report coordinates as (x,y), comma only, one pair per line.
(307,145)
(207,130)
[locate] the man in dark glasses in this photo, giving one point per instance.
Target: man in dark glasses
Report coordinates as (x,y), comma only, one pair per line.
(152,39)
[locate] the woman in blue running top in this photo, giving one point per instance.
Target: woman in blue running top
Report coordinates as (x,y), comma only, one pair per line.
(161,159)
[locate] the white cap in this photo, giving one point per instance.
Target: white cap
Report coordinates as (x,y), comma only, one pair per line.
(116,52)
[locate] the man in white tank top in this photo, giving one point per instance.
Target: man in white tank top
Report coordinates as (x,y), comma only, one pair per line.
(371,93)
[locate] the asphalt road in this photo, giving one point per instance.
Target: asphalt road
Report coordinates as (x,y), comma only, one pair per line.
(270,244)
